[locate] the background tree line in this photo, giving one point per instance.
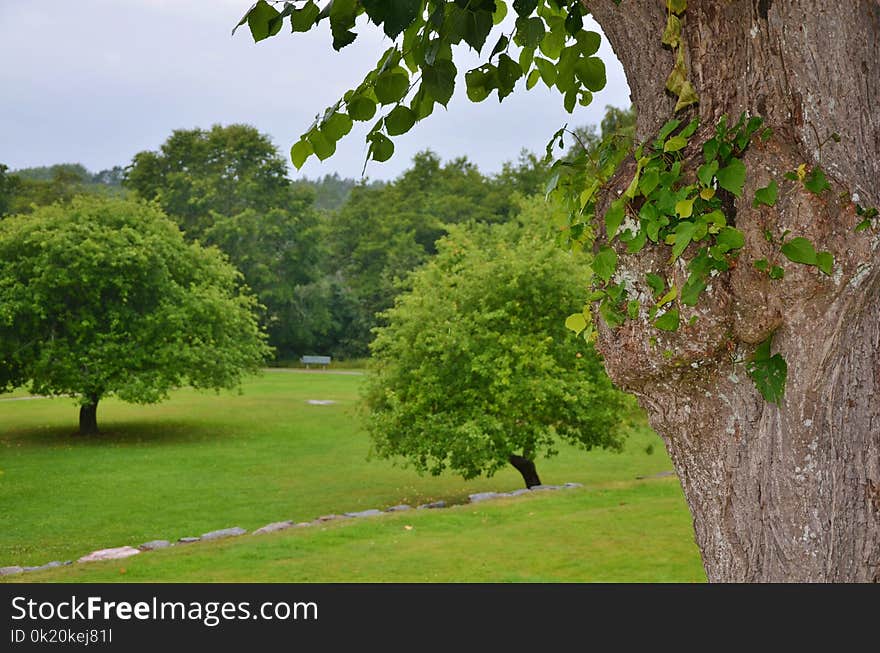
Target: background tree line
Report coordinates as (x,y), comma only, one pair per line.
(324,257)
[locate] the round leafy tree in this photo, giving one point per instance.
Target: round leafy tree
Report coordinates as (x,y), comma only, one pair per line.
(475,368)
(103,296)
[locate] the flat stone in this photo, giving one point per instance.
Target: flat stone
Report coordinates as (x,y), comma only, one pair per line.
(372,512)
(235,531)
(482,496)
(324,518)
(516,493)
(154,544)
(657,475)
(432,505)
(399,508)
(116,553)
(321,402)
(302,524)
(273,527)
(537,488)
(571,485)
(188,540)
(9,571)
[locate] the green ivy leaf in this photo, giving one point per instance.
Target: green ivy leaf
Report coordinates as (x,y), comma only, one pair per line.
(261,20)
(381,147)
(525,7)
(439,80)
(508,74)
(676,6)
(687,96)
(302,20)
(777,273)
(361,108)
(675,144)
(324,147)
(399,120)
(825,262)
(766,196)
(768,372)
(342,17)
(591,73)
(672,33)
(732,177)
(576,322)
(706,172)
(614,217)
(605,263)
(800,250)
(529,32)
(480,82)
(655,283)
(392,85)
(336,126)
(730,238)
(692,289)
(669,321)
(301,151)
(393,15)
(816,181)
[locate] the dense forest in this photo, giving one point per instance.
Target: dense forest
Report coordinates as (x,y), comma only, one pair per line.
(325,256)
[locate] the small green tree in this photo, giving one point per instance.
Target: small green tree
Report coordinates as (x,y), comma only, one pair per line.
(103,296)
(475,369)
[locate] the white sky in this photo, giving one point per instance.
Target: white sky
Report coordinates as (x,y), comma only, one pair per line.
(96,81)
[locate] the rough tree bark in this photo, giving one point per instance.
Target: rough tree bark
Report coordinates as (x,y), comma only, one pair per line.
(526,468)
(789,492)
(88,416)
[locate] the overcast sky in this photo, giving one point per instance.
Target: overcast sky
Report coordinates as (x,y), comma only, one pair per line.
(95,81)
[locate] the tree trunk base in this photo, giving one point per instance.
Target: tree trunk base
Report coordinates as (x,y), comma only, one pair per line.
(525,467)
(88,418)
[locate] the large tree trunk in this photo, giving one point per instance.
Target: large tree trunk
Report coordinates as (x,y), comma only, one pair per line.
(526,467)
(788,492)
(88,416)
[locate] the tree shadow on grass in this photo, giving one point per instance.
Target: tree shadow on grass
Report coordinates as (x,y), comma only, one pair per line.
(118,434)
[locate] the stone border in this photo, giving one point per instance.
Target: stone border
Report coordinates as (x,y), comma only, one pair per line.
(122,552)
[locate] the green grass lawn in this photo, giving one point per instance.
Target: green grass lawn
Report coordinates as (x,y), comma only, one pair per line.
(200,462)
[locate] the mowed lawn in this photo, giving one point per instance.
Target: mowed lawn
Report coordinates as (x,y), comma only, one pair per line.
(203,461)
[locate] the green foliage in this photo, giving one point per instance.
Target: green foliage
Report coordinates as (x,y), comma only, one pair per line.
(768,372)
(766,196)
(103,296)
(228,187)
(474,364)
(384,232)
(548,43)
(801,250)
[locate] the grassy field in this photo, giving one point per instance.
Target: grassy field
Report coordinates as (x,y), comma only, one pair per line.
(200,462)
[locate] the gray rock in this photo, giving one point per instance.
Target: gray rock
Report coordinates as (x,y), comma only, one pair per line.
(372,512)
(235,531)
(516,493)
(657,475)
(571,485)
(399,508)
(154,544)
(9,571)
(320,402)
(324,518)
(537,488)
(188,540)
(116,553)
(483,496)
(273,527)
(432,505)
(48,565)
(30,569)
(302,524)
